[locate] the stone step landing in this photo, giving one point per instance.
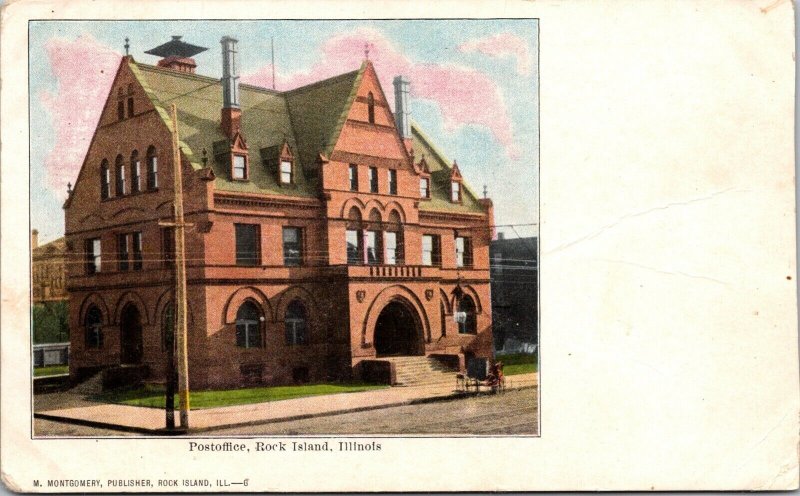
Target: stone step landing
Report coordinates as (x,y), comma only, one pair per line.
(421,371)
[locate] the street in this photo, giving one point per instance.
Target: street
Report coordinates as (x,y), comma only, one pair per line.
(514,412)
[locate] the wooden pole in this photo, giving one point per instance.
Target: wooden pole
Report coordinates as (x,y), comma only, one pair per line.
(180,278)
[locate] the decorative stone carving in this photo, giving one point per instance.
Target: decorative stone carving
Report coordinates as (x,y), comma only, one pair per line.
(429,294)
(360,295)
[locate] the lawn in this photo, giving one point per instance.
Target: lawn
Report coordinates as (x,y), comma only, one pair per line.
(154,396)
(519,363)
(50,370)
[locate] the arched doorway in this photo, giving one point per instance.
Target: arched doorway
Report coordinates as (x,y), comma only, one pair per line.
(398,330)
(130,326)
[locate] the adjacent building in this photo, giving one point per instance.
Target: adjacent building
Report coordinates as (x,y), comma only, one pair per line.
(515,300)
(48,276)
(326,230)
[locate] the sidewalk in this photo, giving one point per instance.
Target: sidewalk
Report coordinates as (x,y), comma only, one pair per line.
(151,420)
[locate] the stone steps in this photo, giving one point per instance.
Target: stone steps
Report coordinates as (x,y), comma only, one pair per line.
(420,370)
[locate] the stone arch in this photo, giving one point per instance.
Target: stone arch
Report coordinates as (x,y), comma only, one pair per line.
(374,203)
(165,298)
(131,297)
(350,203)
(381,300)
(448,307)
(474,294)
(97,300)
(239,296)
(393,206)
(293,293)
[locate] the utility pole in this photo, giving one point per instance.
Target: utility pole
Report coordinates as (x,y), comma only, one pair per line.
(180,331)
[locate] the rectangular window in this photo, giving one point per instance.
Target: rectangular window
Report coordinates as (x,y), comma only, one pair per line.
(424,188)
(430,250)
(130,107)
(373,180)
(371,243)
(292,246)
(248,250)
(390,247)
(122,251)
(353,247)
(392,182)
(152,172)
(353,177)
(239,167)
(136,176)
(463,252)
(120,110)
(455,192)
(286,172)
(105,182)
(120,180)
(136,245)
(92,255)
(168,246)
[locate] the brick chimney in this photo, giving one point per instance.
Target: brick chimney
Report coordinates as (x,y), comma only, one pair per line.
(231,112)
(402,112)
(34,239)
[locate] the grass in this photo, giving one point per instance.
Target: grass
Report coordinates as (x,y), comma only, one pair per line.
(154,396)
(50,370)
(519,363)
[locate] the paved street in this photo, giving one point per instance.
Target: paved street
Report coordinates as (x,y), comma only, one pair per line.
(513,412)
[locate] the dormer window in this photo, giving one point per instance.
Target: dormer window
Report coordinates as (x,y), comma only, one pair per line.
(239,167)
(287,175)
(455,192)
(424,187)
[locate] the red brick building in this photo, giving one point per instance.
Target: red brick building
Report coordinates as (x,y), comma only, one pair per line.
(326,230)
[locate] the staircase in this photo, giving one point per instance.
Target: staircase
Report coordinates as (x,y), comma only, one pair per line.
(421,371)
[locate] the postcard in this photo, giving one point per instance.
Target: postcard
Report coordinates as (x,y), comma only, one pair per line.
(398,247)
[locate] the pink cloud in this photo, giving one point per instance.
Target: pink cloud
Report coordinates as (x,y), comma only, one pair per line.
(465,96)
(84,70)
(502,45)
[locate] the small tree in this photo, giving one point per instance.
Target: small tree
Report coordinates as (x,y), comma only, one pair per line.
(49,322)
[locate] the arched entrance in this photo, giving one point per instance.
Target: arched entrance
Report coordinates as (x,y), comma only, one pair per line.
(398,330)
(130,326)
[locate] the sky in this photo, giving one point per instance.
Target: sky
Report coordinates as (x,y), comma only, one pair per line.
(474,91)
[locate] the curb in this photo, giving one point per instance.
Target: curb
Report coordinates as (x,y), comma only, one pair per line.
(195,430)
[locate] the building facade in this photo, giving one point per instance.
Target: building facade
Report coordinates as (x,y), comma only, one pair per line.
(48,275)
(515,297)
(325,230)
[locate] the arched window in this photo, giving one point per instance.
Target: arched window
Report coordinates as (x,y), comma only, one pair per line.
(136,172)
(120,104)
(248,326)
(152,168)
(93,324)
(105,180)
(130,100)
(168,327)
(354,239)
(371,108)
(372,238)
(119,166)
(296,323)
(393,240)
(468,322)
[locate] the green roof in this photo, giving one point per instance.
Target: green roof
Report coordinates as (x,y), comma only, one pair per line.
(309,118)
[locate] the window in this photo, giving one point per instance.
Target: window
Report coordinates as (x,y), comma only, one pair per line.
(353,247)
(119,165)
(168,327)
(467,321)
(455,192)
(390,247)
(105,180)
(371,108)
(130,106)
(371,240)
(463,252)
(424,187)
(136,173)
(120,110)
(136,245)
(248,326)
(122,251)
(92,255)
(430,249)
(373,180)
(295,323)
(93,324)
(168,246)
(292,246)
(392,182)
(152,169)
(286,172)
(239,167)
(248,251)
(353,177)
